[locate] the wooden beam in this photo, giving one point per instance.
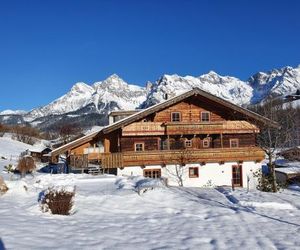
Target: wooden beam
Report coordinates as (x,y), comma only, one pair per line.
(106,145)
(221,140)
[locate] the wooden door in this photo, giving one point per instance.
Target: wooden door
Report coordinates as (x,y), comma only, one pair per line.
(237,175)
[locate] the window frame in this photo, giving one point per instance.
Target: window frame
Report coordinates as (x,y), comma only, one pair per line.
(141,143)
(163,144)
(152,173)
(201,117)
(195,174)
(204,141)
(179,113)
(236,140)
(189,141)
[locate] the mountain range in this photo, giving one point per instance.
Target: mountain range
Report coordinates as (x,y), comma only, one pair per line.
(90,104)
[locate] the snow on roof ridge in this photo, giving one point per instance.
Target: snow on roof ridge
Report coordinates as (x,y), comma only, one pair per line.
(142,110)
(80,138)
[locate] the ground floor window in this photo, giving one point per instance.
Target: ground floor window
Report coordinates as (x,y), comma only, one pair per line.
(193,172)
(152,173)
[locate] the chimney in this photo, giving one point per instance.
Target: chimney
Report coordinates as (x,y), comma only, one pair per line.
(166,96)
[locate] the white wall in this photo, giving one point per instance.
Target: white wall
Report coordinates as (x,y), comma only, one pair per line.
(211,174)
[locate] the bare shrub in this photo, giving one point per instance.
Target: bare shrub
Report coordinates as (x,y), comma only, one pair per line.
(3,187)
(26,164)
(57,201)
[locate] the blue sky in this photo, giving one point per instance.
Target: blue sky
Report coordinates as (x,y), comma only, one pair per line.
(47,46)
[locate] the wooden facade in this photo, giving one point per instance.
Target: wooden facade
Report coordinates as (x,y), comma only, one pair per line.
(206,128)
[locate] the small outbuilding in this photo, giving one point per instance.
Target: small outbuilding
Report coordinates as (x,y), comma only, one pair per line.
(287,172)
(41,154)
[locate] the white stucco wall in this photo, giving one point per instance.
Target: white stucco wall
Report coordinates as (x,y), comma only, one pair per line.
(211,174)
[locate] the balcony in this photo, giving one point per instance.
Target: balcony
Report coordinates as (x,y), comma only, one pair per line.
(179,128)
(225,127)
(144,128)
(113,160)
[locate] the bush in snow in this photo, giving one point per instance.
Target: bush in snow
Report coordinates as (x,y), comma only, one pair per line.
(57,200)
(9,168)
(26,164)
(265,181)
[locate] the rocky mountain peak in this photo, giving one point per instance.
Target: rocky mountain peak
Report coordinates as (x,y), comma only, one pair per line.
(81,87)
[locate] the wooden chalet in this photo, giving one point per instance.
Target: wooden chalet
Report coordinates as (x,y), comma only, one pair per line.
(210,136)
(40,154)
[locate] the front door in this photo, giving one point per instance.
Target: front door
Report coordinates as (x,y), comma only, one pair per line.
(237,175)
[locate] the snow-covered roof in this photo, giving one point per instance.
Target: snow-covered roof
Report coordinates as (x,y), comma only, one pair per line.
(38,149)
(287,167)
(74,143)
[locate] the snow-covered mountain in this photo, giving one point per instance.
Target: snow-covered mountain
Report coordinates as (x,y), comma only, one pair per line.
(112,93)
(229,88)
(90,104)
(13,112)
(277,82)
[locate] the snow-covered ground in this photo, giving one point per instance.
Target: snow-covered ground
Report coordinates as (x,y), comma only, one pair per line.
(110,214)
(114,213)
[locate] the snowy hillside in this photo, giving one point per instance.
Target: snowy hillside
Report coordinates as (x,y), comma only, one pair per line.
(10,148)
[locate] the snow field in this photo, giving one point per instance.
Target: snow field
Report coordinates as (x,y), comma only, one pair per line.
(110,214)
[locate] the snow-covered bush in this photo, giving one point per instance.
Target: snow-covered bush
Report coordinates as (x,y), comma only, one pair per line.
(57,200)
(140,184)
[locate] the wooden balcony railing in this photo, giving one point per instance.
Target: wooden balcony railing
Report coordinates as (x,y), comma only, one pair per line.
(144,128)
(175,128)
(225,127)
(126,159)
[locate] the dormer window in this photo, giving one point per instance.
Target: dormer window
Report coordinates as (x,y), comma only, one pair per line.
(205,116)
(175,117)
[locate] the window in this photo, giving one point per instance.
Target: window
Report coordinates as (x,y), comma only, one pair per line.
(193,172)
(139,146)
(152,173)
(188,143)
(205,116)
(206,143)
(163,144)
(175,116)
(234,143)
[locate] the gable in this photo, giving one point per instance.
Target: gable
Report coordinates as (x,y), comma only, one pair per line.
(190,111)
(232,110)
